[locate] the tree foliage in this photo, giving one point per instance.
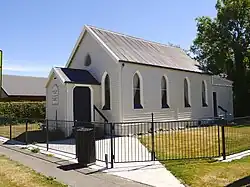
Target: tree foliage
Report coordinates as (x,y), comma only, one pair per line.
(222,46)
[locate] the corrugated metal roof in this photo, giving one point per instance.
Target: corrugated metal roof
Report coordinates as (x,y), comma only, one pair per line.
(136,50)
(24,85)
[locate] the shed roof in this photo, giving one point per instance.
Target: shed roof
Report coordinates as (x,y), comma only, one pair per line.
(15,85)
(126,48)
(77,76)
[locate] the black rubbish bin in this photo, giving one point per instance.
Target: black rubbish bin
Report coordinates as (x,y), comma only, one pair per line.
(85,145)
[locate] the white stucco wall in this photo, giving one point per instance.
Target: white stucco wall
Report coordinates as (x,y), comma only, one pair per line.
(61,108)
(224,90)
(101,62)
(152,94)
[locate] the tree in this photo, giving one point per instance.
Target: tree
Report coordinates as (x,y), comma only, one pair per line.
(222,46)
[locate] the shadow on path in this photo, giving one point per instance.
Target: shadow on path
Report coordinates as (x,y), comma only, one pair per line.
(241,182)
(64,164)
(71,167)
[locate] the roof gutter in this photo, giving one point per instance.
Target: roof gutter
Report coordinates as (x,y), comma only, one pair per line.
(204,73)
(70,82)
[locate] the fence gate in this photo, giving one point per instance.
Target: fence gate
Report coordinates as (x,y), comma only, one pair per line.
(128,144)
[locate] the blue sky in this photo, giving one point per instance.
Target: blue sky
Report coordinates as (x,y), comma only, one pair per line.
(36,35)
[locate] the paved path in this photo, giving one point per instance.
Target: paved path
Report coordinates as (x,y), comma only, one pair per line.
(127,151)
(152,173)
(50,166)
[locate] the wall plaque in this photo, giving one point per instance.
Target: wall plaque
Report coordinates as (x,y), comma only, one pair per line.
(55,95)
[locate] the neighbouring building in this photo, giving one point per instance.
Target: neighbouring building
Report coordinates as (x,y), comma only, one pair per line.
(127,78)
(23,88)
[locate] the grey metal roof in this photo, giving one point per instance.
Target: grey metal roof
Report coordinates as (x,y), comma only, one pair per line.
(136,50)
(24,85)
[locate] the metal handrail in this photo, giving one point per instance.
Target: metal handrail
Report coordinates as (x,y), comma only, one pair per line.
(101,114)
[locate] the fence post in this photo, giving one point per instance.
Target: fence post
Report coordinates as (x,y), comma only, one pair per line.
(47,135)
(223,140)
(56,119)
(26,132)
(10,131)
(218,140)
(153,138)
(112,144)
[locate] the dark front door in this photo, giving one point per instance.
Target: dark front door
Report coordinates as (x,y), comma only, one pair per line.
(82,104)
(215,104)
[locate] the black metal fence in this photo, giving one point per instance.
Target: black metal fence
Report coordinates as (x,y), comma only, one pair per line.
(145,141)
(56,135)
(137,141)
(237,135)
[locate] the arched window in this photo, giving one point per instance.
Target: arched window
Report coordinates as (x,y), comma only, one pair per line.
(106,93)
(186,93)
(87,60)
(204,94)
(137,91)
(164,93)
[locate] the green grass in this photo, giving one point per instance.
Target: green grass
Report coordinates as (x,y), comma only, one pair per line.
(35,150)
(34,135)
(237,138)
(208,173)
(17,129)
(198,143)
(13,174)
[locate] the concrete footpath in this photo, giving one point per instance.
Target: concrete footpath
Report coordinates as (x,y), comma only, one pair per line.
(63,170)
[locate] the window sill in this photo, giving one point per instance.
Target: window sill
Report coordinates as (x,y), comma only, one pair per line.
(205,106)
(105,108)
(136,107)
(165,107)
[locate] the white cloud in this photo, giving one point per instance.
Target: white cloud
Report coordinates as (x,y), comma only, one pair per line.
(20,67)
(34,68)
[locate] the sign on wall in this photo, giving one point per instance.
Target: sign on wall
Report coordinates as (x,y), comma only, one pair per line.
(55,95)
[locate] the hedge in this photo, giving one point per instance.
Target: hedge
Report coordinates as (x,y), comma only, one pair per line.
(23,109)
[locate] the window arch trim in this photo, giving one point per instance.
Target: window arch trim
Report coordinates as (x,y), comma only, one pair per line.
(204,96)
(165,104)
(87,60)
(106,106)
(187,101)
(138,105)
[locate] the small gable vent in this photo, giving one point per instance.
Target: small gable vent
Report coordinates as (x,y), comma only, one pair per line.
(87,60)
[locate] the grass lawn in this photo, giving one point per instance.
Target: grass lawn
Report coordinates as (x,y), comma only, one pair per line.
(17,129)
(237,138)
(198,143)
(208,173)
(34,135)
(13,174)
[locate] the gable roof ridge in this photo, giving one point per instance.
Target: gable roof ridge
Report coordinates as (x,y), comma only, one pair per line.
(103,44)
(133,37)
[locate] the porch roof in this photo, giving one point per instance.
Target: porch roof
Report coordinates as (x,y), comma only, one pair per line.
(77,76)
